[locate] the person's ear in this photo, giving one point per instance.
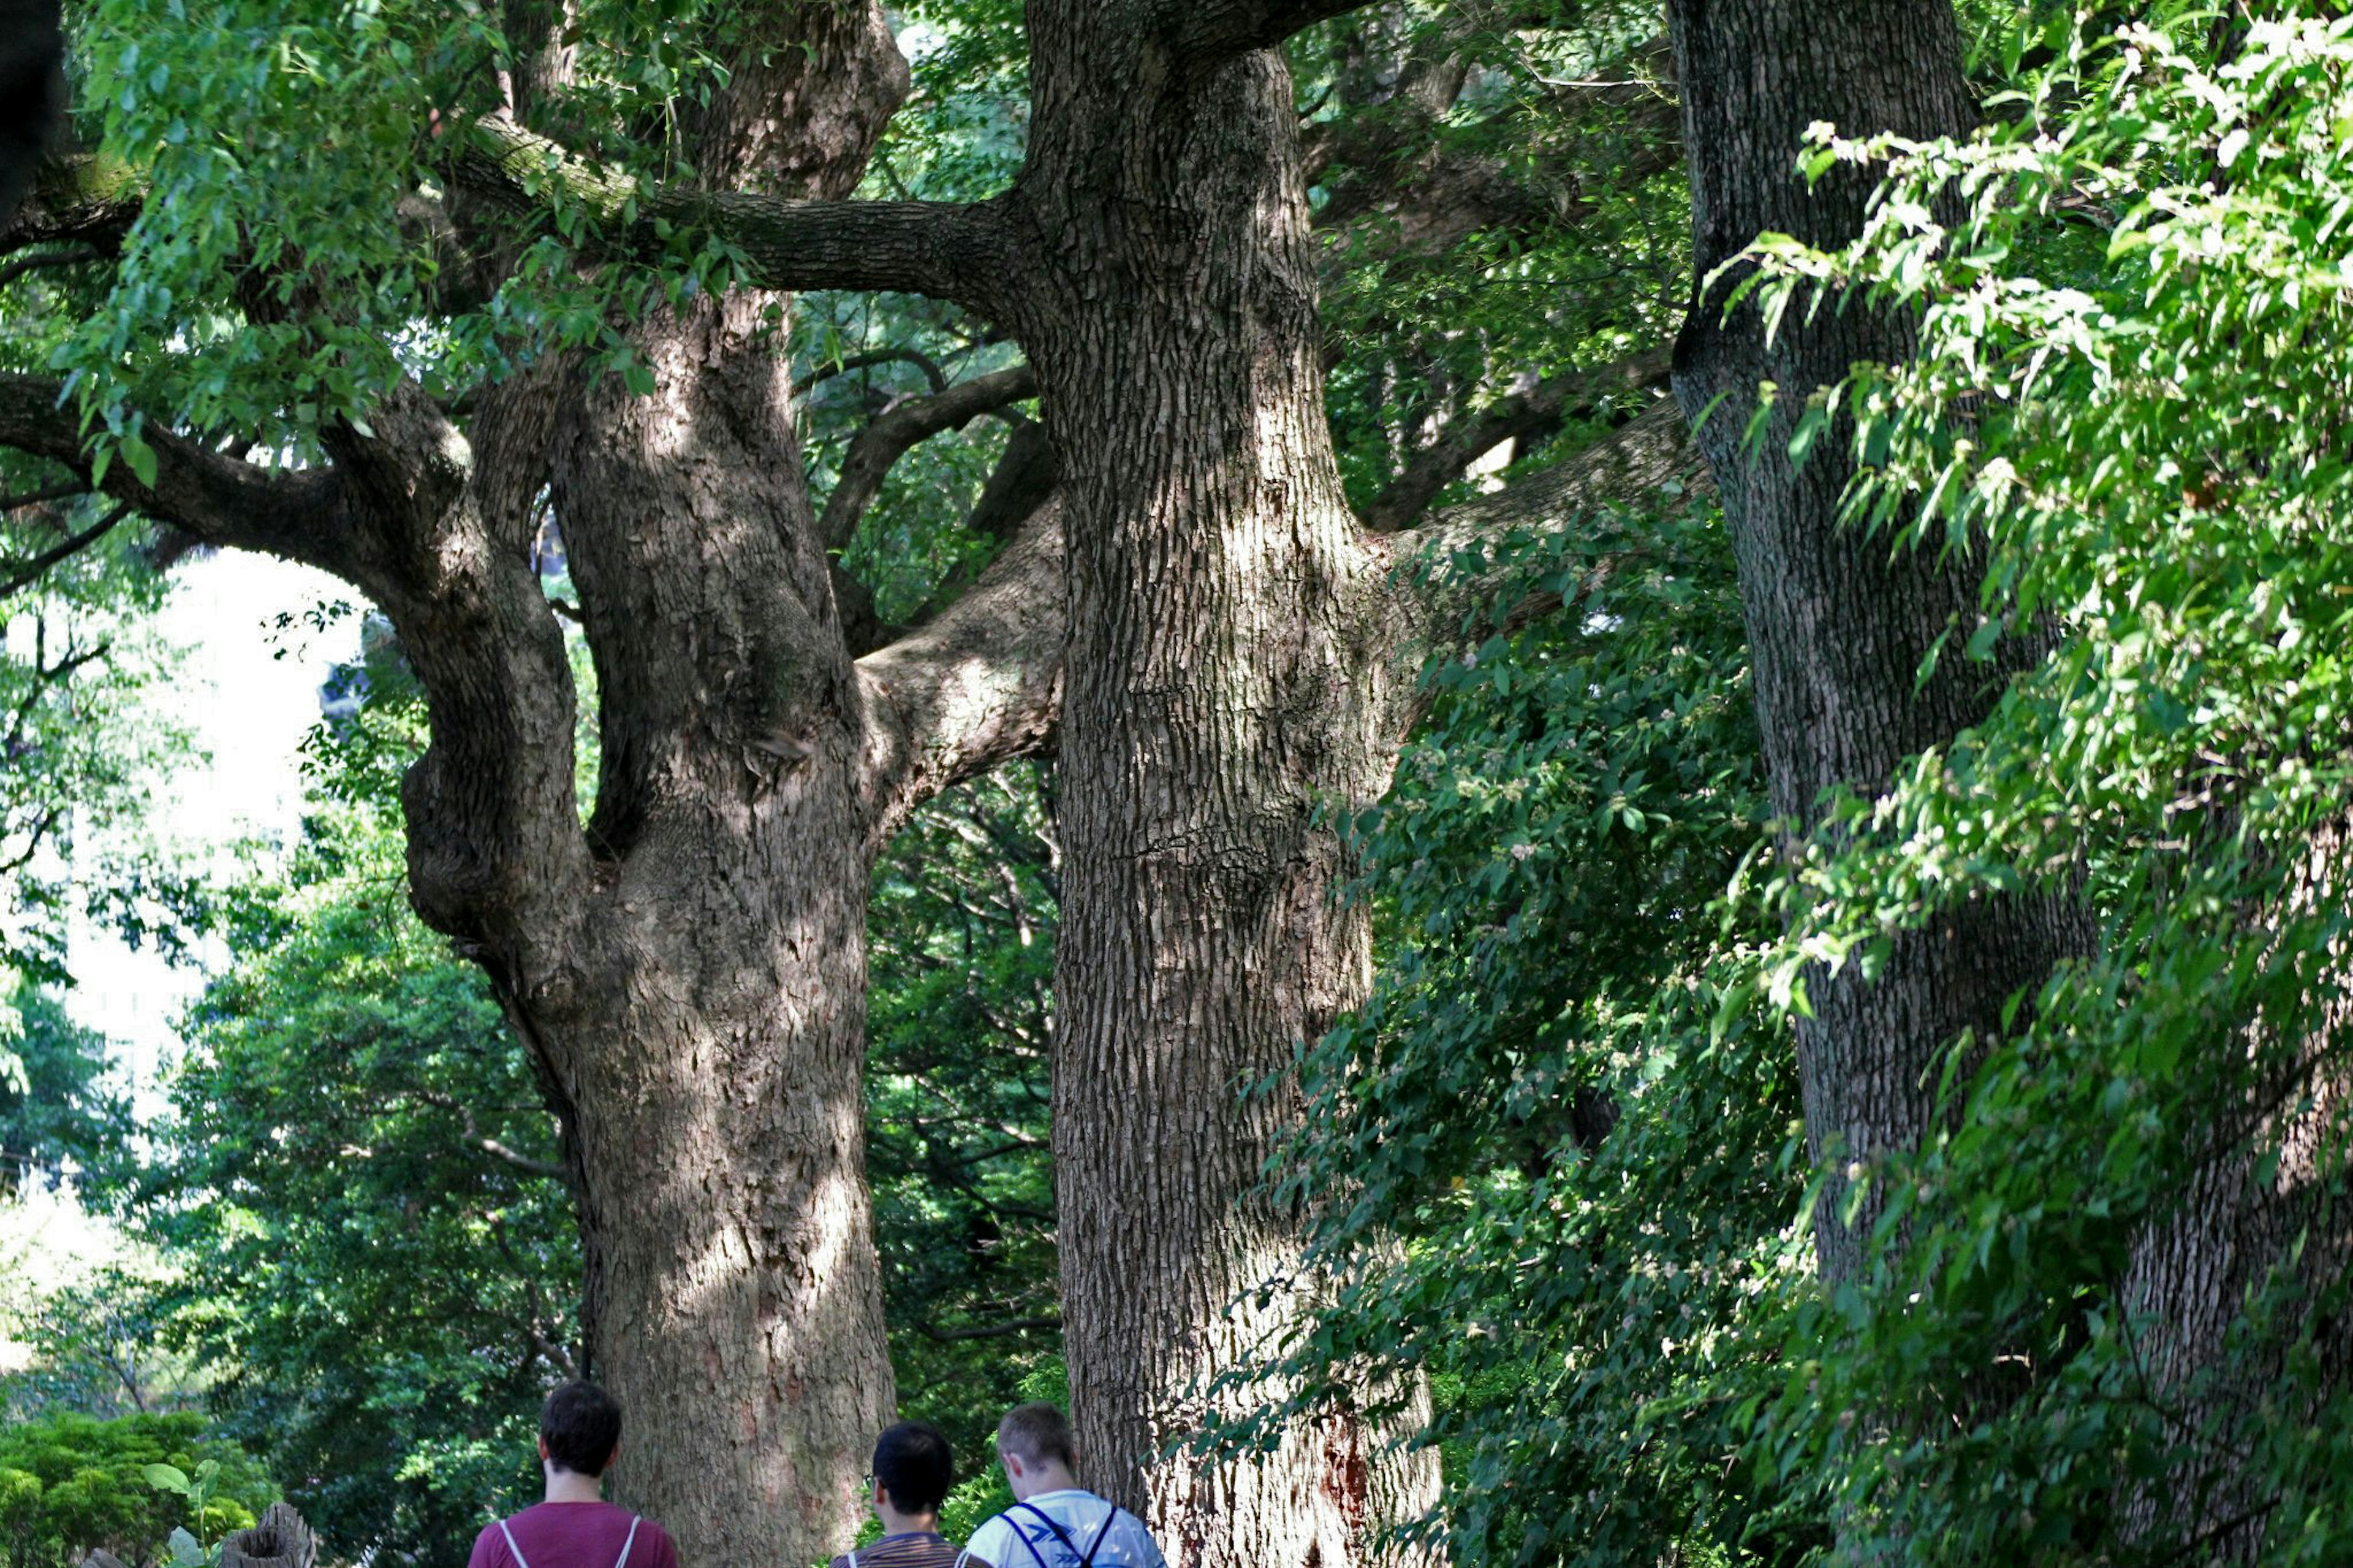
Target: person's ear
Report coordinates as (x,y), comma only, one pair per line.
(610,1458)
(543,1448)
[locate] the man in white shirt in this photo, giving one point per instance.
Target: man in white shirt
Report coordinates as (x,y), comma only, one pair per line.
(1054,1522)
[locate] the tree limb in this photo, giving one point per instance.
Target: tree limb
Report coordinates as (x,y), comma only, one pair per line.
(1541,408)
(898,430)
(1460,547)
(24,574)
(1211,32)
(921,361)
(942,250)
(73,258)
(76,199)
(978,685)
(991,1331)
(298,515)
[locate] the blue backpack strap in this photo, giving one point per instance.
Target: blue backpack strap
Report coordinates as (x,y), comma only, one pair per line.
(1047,1520)
(1093,1546)
(1022,1536)
(1085,1559)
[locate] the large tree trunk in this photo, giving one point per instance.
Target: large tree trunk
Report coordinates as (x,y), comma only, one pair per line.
(710,1054)
(1838,621)
(1231,676)
(708,1050)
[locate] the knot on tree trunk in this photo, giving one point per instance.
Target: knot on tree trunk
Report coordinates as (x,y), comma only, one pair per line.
(281,1541)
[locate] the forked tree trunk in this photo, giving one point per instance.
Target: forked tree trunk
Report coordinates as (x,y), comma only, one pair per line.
(1233,678)
(1838,621)
(711,1051)
(708,1050)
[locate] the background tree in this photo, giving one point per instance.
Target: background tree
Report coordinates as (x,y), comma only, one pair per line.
(1845,630)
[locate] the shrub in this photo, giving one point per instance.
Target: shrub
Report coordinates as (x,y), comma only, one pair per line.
(70,1483)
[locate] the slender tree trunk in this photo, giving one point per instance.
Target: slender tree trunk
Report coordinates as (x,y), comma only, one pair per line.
(1233,678)
(1838,621)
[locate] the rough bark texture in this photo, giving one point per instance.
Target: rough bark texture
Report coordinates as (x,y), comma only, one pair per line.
(2262,1204)
(705,1040)
(1232,673)
(1838,621)
(281,1540)
(32,91)
(688,966)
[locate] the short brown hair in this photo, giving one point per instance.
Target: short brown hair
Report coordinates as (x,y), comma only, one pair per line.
(1034,1434)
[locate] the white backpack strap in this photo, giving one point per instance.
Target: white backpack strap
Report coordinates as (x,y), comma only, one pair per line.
(853,1557)
(513,1550)
(964,1557)
(622,1559)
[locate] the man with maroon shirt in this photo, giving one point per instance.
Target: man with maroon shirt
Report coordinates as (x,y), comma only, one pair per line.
(579,1434)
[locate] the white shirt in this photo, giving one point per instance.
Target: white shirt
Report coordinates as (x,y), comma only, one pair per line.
(1017,1537)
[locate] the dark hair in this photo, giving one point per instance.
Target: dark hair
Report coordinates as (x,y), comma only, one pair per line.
(911,1462)
(1034,1434)
(580,1425)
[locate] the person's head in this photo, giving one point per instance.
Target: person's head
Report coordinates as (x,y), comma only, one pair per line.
(912,1472)
(579,1428)
(1034,1442)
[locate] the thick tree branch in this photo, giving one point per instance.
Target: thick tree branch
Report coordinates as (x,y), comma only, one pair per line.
(73,258)
(1535,412)
(897,431)
(1211,31)
(77,199)
(1005,1330)
(299,516)
(1462,545)
(979,686)
(942,250)
(921,361)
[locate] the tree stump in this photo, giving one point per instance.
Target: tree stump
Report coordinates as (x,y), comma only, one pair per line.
(281,1541)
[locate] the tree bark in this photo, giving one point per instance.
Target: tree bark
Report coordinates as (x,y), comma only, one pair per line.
(2258,1203)
(1234,678)
(706,1044)
(1839,620)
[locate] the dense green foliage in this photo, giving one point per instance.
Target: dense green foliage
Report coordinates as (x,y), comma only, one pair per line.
(2131,394)
(62,1105)
(69,1484)
(356,1187)
(1549,1166)
(960,1027)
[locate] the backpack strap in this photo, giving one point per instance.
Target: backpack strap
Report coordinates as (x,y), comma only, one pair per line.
(635,1521)
(853,1555)
(1085,1559)
(513,1550)
(1022,1535)
(1093,1546)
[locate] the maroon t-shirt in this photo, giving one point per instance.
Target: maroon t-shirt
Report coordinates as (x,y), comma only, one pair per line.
(574,1535)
